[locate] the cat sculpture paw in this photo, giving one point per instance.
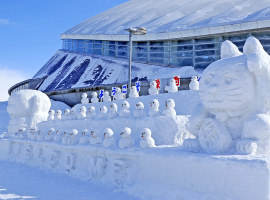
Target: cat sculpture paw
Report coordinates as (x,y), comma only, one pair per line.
(246,147)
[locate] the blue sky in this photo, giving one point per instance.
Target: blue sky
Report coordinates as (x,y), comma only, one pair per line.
(30,32)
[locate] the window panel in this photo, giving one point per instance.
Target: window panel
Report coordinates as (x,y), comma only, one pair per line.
(97,51)
(181,42)
(182,48)
(205,53)
(181,61)
(182,54)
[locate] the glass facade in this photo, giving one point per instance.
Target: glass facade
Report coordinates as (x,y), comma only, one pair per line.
(197,52)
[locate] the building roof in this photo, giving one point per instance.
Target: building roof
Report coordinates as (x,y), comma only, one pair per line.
(174,16)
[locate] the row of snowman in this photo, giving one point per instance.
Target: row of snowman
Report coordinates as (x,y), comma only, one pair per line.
(153,90)
(104,113)
(85,137)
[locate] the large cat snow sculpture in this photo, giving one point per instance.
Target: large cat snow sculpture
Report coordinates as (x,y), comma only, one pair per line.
(234,116)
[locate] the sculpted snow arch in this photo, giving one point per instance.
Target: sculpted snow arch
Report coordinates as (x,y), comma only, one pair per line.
(235,95)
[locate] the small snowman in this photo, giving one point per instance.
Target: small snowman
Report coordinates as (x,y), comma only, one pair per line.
(113,111)
(106,97)
(153,88)
(72,114)
(95,138)
(126,140)
(40,136)
(84,99)
(22,133)
(146,139)
(82,113)
(94,98)
(124,112)
(154,108)
(31,133)
(133,92)
(103,112)
(49,137)
(139,112)
(84,137)
(51,115)
(74,137)
(58,115)
(109,140)
(194,83)
(172,87)
(65,137)
(118,94)
(66,115)
(57,137)
(91,113)
(169,108)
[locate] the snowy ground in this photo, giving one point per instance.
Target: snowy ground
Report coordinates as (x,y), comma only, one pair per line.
(19,181)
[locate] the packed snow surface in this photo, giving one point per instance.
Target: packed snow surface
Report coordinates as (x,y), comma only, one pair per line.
(173,15)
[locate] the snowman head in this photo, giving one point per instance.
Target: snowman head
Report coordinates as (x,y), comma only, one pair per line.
(106,94)
(153,84)
(172,82)
(154,104)
(108,133)
(146,133)
(74,132)
(51,131)
(51,112)
(118,90)
(125,105)
(113,107)
(84,132)
(126,132)
(94,134)
(103,109)
(91,109)
(21,130)
(170,104)
(58,112)
(139,106)
(133,89)
(32,130)
(67,111)
(94,94)
(194,78)
(83,109)
(72,111)
(84,95)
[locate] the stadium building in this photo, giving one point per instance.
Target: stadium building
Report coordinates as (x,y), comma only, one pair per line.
(183,38)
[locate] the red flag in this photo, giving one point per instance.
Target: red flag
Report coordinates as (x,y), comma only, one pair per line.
(177,80)
(158,83)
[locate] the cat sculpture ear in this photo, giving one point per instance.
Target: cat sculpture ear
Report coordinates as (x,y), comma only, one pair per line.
(257,58)
(228,50)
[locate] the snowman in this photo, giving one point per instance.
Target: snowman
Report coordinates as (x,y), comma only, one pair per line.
(102,112)
(66,115)
(94,98)
(139,112)
(169,108)
(95,138)
(133,92)
(91,113)
(72,114)
(84,137)
(154,108)
(65,137)
(32,134)
(172,87)
(51,115)
(153,88)
(57,137)
(49,137)
(106,97)
(109,140)
(124,112)
(126,140)
(84,99)
(58,115)
(22,133)
(146,139)
(113,111)
(73,137)
(194,83)
(82,113)
(40,136)
(118,94)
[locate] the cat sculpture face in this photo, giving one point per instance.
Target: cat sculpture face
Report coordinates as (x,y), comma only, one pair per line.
(228,88)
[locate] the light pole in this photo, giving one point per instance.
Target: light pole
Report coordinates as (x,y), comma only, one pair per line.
(133,31)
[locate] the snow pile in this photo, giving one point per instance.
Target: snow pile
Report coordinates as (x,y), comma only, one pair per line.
(71,70)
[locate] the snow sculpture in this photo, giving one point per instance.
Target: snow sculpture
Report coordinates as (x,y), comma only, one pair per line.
(103,112)
(22,133)
(106,97)
(153,88)
(109,140)
(66,115)
(91,112)
(94,98)
(32,134)
(73,137)
(126,140)
(72,114)
(58,115)
(146,139)
(95,138)
(118,94)
(113,111)
(84,138)
(57,137)
(84,99)
(154,108)
(124,112)
(65,137)
(133,92)
(26,109)
(194,83)
(49,137)
(172,87)
(234,114)
(82,113)
(169,105)
(40,136)
(139,112)
(51,115)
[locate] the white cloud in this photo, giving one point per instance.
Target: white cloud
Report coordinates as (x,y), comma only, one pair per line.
(8,78)
(6,22)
